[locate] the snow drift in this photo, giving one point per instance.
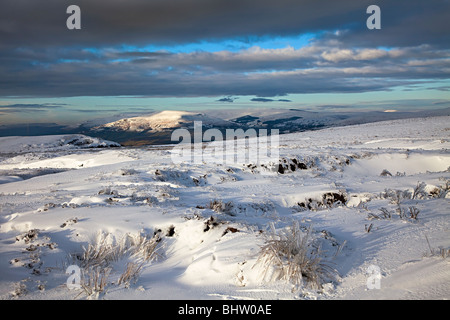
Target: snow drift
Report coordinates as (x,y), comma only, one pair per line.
(366,217)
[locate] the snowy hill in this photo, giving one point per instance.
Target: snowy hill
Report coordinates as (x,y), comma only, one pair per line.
(367,205)
(52,143)
(27,157)
(156,128)
(163,120)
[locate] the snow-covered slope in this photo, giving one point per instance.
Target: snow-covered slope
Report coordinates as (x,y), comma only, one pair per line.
(50,143)
(162,120)
(375,199)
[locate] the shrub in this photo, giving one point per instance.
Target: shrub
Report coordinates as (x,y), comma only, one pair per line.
(397,197)
(94,280)
(97,259)
(442,252)
(413,212)
(328,200)
(131,272)
(369,227)
(220,207)
(385,173)
(294,257)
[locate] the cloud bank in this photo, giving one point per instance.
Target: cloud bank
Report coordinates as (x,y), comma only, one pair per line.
(110,55)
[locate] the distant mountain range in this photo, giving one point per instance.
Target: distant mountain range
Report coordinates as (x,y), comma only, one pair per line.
(157,128)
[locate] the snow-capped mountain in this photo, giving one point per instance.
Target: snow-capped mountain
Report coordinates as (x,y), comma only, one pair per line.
(157,128)
(163,120)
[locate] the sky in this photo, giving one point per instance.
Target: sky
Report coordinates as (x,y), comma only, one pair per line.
(137,56)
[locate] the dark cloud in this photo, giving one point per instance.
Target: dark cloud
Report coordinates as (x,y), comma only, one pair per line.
(226,99)
(262,100)
(20,108)
(329,107)
(269,100)
(108,22)
(106,79)
(404,23)
(329,69)
(32,110)
(39,56)
(95,110)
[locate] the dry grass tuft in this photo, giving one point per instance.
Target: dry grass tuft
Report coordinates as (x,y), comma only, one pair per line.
(221,207)
(97,258)
(131,273)
(294,257)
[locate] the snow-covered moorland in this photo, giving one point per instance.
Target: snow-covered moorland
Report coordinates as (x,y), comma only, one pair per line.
(356,212)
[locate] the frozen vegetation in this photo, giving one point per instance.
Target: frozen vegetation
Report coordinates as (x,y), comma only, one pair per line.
(354,212)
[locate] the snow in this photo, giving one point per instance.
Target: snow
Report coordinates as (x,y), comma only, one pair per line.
(56,198)
(167,119)
(51,143)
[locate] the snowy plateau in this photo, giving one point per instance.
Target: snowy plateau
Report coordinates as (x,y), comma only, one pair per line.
(352,212)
